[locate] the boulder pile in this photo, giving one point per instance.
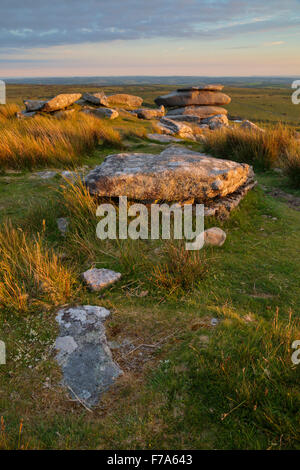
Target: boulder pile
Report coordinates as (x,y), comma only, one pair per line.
(97,104)
(195,104)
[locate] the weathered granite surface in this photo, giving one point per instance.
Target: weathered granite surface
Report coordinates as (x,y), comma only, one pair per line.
(83,352)
(97,279)
(123,99)
(168,126)
(60,102)
(176,174)
(193,97)
(211,87)
(200,111)
(107,113)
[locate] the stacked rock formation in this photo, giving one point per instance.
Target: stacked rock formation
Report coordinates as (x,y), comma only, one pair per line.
(175,175)
(195,104)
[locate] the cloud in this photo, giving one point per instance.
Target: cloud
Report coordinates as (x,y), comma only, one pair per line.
(274,43)
(40,23)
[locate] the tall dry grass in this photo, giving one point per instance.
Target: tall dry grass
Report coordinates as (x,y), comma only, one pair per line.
(262,149)
(43,140)
(30,272)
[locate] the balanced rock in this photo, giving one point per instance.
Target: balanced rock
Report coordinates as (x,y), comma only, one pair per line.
(97,279)
(144,113)
(83,352)
(177,174)
(122,99)
(168,126)
(107,113)
(96,98)
(60,102)
(33,105)
(199,111)
(193,97)
(210,87)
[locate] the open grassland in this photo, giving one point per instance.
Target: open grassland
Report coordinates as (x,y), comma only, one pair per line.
(267,105)
(187,384)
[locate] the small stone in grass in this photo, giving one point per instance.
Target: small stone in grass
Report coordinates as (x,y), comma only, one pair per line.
(214,236)
(97,279)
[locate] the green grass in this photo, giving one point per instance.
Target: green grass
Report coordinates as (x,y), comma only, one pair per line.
(231,386)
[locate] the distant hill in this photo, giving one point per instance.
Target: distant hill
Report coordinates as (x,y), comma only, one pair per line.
(149,80)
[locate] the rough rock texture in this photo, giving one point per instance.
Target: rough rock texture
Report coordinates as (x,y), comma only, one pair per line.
(199,111)
(214,236)
(184,118)
(84,356)
(164,139)
(145,113)
(193,97)
(34,105)
(71,176)
(177,174)
(97,279)
(25,114)
(95,98)
(222,206)
(168,126)
(122,99)
(107,113)
(60,102)
(45,175)
(250,126)
(211,87)
(216,122)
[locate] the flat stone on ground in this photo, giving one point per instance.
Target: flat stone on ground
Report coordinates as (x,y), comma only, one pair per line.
(60,102)
(211,87)
(164,139)
(97,279)
(200,111)
(193,97)
(176,174)
(83,353)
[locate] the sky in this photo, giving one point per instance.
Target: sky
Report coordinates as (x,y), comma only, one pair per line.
(149,37)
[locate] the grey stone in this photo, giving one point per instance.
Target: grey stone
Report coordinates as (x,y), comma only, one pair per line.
(193,97)
(145,113)
(33,105)
(211,87)
(97,279)
(250,126)
(176,174)
(25,114)
(95,98)
(164,139)
(199,111)
(45,175)
(83,353)
(107,113)
(62,224)
(72,176)
(171,127)
(216,122)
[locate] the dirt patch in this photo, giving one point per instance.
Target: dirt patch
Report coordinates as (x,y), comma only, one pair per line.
(292,201)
